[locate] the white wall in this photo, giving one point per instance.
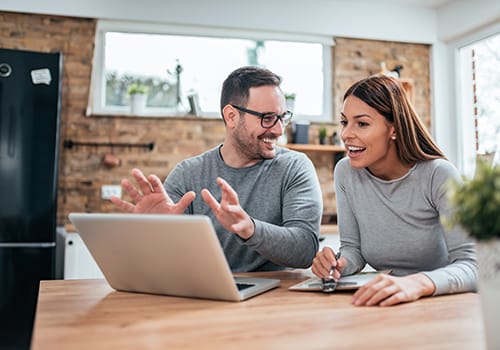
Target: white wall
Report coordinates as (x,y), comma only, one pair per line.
(459,24)
(331,17)
(462,18)
(381,20)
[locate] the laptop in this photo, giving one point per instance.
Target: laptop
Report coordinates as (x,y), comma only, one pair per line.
(176,255)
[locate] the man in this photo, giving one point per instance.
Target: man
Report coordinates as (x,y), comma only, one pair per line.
(265,201)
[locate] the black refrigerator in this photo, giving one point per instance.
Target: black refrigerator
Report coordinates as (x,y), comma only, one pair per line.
(30,86)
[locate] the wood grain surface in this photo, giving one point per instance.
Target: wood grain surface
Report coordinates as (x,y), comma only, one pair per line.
(88,314)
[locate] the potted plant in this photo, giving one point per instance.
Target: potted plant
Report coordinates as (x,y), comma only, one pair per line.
(138,95)
(322,135)
(290,101)
(476,204)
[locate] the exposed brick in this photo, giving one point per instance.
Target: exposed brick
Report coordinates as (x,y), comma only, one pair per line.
(358,58)
(82,171)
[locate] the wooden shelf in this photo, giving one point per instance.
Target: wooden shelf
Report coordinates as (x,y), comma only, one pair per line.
(329,229)
(315,148)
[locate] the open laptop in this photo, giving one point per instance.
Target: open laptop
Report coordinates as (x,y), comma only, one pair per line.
(178,255)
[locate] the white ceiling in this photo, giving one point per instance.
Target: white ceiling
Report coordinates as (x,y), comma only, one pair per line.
(429,3)
(432,4)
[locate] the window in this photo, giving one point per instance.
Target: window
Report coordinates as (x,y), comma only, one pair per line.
(480,100)
(175,63)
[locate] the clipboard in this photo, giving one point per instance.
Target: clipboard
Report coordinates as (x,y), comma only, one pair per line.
(352,282)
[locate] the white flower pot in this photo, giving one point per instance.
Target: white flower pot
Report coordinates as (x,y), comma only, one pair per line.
(488,256)
(137,103)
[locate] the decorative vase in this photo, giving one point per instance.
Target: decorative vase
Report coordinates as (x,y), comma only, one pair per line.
(488,258)
(137,103)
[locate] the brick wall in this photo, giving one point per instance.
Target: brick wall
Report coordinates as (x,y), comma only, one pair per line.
(355,59)
(82,170)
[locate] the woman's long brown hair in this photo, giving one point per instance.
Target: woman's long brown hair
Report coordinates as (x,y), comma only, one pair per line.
(388,97)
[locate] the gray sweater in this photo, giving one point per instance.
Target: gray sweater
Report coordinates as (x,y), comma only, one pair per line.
(396,225)
(282,195)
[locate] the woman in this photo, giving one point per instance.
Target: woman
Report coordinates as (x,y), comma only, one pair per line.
(391,197)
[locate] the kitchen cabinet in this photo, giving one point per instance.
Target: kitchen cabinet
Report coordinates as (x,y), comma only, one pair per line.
(78,262)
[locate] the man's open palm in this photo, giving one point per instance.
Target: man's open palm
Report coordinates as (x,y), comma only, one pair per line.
(150,197)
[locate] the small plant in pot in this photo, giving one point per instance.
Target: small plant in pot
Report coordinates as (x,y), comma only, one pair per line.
(136,88)
(290,101)
(138,95)
(476,204)
(323,132)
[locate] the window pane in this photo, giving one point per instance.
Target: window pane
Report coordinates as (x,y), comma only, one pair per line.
(301,66)
(487,65)
(201,64)
(480,101)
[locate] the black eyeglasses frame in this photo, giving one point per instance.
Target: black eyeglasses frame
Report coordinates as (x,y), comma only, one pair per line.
(285,118)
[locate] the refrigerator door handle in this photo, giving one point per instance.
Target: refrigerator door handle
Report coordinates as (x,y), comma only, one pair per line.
(28,245)
(5,70)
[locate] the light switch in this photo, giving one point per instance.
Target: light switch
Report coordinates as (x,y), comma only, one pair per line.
(111,190)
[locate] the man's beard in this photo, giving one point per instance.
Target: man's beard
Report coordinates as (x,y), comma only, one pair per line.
(249,147)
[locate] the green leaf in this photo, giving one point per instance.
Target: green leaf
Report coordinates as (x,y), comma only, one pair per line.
(476,203)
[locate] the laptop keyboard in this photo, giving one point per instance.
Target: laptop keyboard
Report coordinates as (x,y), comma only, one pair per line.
(242,286)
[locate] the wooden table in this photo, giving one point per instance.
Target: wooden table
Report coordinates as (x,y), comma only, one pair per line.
(88,314)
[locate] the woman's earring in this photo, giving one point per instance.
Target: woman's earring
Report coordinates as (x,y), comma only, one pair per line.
(393,137)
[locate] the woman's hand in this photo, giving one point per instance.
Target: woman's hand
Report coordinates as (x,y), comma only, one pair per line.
(386,290)
(325,261)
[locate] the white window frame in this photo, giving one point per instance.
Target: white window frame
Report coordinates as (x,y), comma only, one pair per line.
(95,104)
(464,107)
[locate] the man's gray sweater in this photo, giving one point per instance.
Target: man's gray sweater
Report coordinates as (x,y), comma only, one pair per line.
(282,195)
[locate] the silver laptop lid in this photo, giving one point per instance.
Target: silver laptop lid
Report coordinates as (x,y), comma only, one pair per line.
(176,255)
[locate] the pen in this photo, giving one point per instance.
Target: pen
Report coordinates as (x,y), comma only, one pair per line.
(337,257)
(329,284)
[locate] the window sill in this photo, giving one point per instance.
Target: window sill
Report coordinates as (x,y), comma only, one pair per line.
(152,116)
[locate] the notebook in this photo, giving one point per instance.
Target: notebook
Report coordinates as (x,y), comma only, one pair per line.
(352,282)
(177,255)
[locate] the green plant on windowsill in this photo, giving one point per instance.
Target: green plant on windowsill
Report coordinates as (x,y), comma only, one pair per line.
(138,97)
(290,101)
(476,203)
(137,89)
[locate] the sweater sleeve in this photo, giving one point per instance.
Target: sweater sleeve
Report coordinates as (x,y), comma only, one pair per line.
(461,273)
(295,242)
(348,227)
(281,195)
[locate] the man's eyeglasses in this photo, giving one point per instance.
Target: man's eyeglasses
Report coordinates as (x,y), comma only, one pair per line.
(268,120)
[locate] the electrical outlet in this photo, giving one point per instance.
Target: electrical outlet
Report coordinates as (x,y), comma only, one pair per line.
(111,190)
